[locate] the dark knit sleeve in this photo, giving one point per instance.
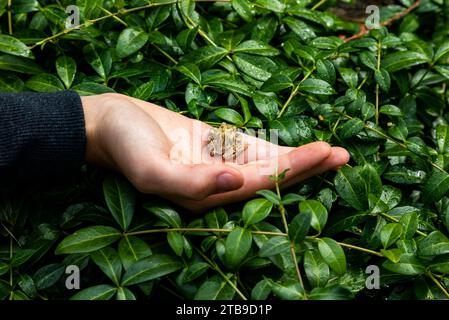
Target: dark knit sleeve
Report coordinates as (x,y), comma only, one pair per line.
(41,135)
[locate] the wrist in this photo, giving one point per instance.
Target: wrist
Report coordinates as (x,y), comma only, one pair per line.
(92,120)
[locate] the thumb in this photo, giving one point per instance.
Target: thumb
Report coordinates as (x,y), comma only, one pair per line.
(198,181)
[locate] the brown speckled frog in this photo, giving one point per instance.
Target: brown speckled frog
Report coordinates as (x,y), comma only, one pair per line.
(225,141)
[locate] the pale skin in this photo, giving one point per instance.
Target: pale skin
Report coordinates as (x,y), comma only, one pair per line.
(136,138)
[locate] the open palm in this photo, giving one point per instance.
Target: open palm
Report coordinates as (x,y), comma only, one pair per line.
(162,152)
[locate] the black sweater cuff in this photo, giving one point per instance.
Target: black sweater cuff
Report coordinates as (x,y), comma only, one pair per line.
(41,135)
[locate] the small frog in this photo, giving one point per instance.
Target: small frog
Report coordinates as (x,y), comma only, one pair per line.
(225,141)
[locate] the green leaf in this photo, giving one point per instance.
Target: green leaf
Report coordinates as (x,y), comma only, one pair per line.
(176,242)
(120,198)
(108,260)
(369,60)
(333,254)
(436,186)
(66,69)
(407,265)
(442,51)
(266,105)
(205,57)
(243,8)
(125,294)
(18,64)
(373,184)
(402,59)
(334,292)
(4,267)
(11,45)
(409,222)
(351,187)
(48,275)
(316,268)
(270,196)
(351,128)
(276,245)
(166,214)
(272,5)
(238,243)
(260,68)
(132,249)
(257,47)
(318,213)
(382,78)
(316,86)
(230,84)
(150,268)
(26,283)
(349,76)
(195,270)
(144,91)
(440,264)
(442,138)
(191,71)
(261,290)
(390,233)
(129,41)
(88,239)
(277,83)
(434,244)
(100,62)
(230,115)
(216,219)
(256,210)
(300,28)
(289,290)
(326,71)
(91,88)
(391,110)
(11,83)
(299,226)
(216,288)
(44,82)
(100,292)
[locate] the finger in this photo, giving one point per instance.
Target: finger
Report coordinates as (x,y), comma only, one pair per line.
(199,181)
(337,158)
(300,161)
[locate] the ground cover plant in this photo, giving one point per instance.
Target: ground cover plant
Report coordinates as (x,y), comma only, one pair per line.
(275,64)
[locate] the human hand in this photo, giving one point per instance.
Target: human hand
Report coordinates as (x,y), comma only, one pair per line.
(143,140)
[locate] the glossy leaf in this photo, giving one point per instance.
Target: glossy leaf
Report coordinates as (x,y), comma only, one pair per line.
(88,239)
(238,243)
(333,254)
(120,198)
(150,268)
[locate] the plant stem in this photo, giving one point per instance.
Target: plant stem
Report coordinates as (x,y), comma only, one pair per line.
(90,22)
(379,53)
(115,17)
(10,266)
(318,4)
(350,246)
(292,243)
(439,285)
(169,57)
(9,16)
(294,93)
(217,268)
(267,233)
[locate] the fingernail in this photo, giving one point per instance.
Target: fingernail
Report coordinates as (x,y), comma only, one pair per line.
(227,182)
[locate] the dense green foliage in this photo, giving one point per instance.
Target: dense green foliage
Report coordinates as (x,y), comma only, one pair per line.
(265,63)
